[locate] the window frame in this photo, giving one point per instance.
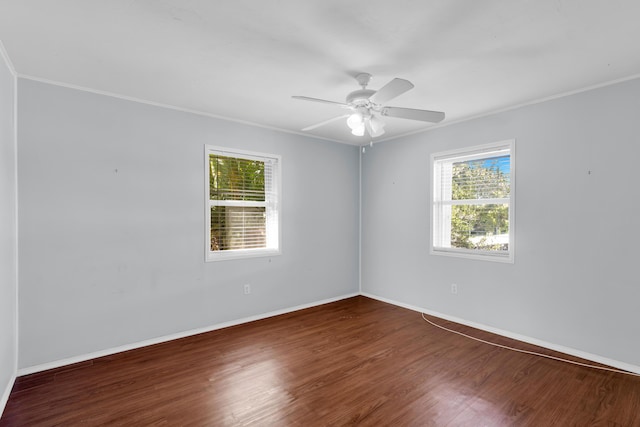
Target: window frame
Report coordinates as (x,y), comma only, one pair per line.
(471,153)
(274,236)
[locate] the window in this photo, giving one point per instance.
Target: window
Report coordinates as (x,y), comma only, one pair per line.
(242,215)
(472,202)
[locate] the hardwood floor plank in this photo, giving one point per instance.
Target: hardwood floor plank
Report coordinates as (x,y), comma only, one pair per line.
(352,362)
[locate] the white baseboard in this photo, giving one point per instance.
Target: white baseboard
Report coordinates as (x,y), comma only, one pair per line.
(562,349)
(82,358)
(7,392)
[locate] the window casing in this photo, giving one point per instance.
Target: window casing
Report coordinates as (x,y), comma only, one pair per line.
(243,198)
(472,202)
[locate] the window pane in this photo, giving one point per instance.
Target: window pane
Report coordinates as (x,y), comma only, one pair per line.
(243,203)
(483,227)
(472,205)
(232,178)
(481,179)
(238,228)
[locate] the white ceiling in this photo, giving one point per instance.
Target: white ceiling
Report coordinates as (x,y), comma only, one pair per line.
(243,59)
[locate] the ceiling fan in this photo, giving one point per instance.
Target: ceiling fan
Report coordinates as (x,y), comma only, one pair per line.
(366,107)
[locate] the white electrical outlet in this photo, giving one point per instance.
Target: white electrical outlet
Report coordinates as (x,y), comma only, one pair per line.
(454,288)
(247,289)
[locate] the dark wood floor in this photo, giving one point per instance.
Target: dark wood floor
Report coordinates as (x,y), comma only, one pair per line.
(353,362)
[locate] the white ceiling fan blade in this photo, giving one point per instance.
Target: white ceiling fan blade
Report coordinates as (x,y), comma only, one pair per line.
(307,98)
(317,125)
(413,114)
(389,91)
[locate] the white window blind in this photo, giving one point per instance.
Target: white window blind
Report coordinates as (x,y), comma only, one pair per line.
(472,202)
(243,194)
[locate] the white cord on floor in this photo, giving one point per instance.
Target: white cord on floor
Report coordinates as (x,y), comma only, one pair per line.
(619,371)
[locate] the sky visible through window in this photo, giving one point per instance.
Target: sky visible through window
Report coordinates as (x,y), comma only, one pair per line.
(503,163)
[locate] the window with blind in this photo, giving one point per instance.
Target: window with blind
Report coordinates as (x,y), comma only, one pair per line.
(472,201)
(243,204)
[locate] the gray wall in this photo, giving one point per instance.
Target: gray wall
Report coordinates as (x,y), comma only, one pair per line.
(574,282)
(8,230)
(112,224)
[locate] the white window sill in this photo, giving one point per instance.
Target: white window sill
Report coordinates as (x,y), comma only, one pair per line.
(241,254)
(506,256)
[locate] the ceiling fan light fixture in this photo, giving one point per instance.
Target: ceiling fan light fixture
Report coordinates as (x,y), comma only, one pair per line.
(356,124)
(358,131)
(376,126)
(355,121)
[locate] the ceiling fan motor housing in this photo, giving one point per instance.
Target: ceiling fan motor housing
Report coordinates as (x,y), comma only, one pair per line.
(360,97)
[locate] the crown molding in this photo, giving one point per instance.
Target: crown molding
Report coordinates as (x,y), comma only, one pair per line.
(169,106)
(7,60)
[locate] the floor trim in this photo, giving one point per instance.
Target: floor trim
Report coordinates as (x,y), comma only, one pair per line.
(7,393)
(82,358)
(567,350)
